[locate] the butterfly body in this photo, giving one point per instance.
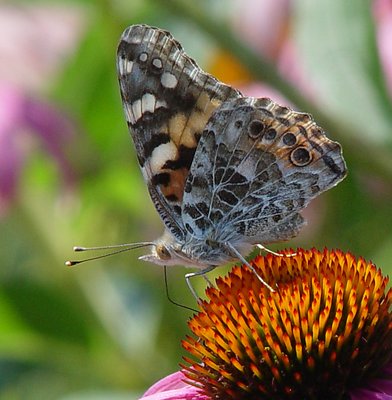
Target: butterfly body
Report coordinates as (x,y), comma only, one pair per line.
(193,252)
(225,171)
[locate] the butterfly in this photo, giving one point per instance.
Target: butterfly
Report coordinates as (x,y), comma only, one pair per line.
(225,172)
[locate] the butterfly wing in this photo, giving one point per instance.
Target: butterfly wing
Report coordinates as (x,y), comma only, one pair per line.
(167,100)
(257,165)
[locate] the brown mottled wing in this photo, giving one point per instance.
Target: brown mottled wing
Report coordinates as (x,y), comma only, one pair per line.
(257,165)
(167,101)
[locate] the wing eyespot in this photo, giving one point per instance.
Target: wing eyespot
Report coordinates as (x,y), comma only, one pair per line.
(255,129)
(270,134)
(289,139)
(301,156)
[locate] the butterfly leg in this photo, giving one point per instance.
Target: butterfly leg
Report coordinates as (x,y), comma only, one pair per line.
(198,273)
(261,247)
(242,259)
(209,283)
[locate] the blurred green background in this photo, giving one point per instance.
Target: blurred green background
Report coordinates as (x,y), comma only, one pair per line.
(69,176)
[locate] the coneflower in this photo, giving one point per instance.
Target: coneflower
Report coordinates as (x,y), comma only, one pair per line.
(325,333)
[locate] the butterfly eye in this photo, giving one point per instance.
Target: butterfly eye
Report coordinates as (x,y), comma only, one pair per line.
(301,156)
(255,129)
(162,252)
(289,139)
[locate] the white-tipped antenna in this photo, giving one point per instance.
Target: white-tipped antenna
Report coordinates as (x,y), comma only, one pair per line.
(122,248)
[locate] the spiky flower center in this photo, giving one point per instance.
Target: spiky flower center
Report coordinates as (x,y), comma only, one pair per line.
(326,329)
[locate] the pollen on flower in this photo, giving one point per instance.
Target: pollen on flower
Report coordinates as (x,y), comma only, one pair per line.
(325,330)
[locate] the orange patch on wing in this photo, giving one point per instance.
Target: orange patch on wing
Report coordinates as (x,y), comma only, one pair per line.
(177,183)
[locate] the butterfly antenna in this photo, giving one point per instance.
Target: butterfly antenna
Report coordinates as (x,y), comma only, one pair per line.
(121,248)
(168,294)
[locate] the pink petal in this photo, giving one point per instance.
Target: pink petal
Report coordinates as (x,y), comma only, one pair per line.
(365,394)
(172,387)
(173,381)
(381,385)
(178,394)
(376,389)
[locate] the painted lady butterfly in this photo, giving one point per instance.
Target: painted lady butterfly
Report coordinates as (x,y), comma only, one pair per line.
(225,172)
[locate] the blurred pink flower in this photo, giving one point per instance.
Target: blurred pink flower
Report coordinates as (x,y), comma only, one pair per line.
(262,24)
(265,25)
(383,16)
(173,387)
(34,41)
(22,119)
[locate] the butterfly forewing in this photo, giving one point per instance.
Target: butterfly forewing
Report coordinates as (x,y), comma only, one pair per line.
(167,101)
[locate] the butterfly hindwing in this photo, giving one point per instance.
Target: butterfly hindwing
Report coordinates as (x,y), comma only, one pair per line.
(257,165)
(167,100)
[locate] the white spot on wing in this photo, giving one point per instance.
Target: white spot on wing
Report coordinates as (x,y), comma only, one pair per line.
(148,103)
(161,104)
(176,58)
(157,63)
(162,153)
(193,74)
(151,36)
(168,80)
(125,66)
(128,114)
(143,57)
(137,109)
(251,100)
(128,67)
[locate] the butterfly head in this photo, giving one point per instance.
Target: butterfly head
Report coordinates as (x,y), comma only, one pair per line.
(167,251)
